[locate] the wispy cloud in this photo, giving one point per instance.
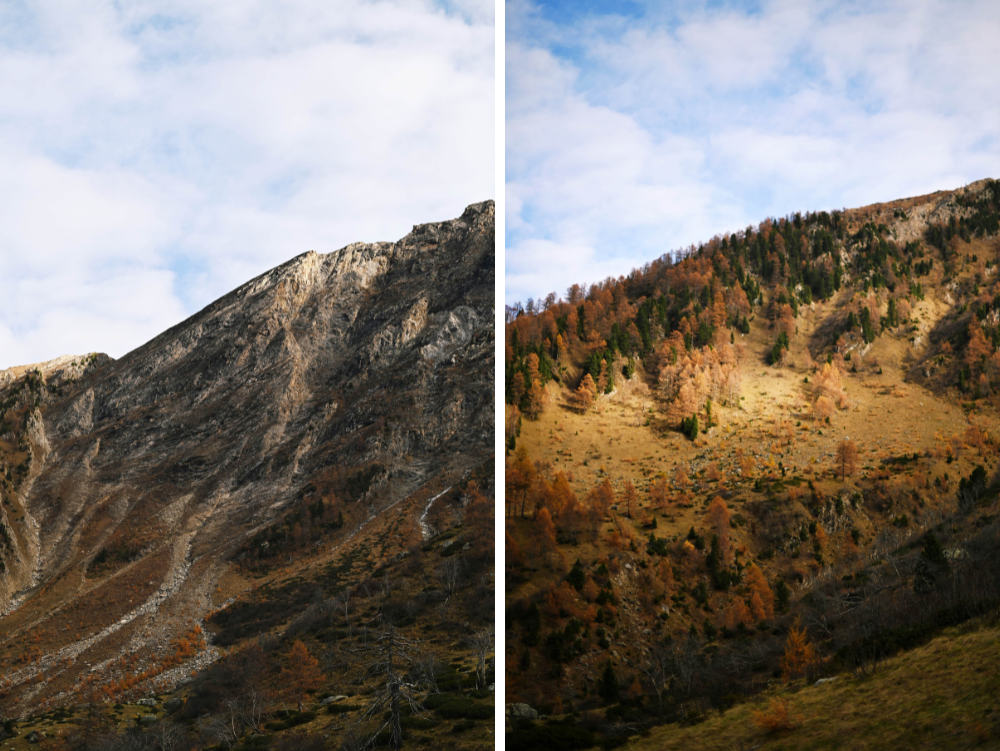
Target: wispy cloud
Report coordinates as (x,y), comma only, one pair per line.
(153,155)
(635,128)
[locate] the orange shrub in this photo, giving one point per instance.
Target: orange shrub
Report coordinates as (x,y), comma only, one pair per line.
(777,717)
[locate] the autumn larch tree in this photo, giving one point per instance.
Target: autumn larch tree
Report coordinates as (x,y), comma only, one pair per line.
(659,493)
(302,674)
(599,500)
(519,478)
(681,476)
(630,497)
(800,656)
(602,378)
(537,400)
(545,533)
(823,408)
(537,396)
(513,558)
(978,350)
(847,458)
(586,393)
(761,596)
(975,438)
(718,517)
(519,389)
(559,496)
(686,403)
(746,463)
(736,614)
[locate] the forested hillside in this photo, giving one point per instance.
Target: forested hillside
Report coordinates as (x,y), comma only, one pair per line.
(758,461)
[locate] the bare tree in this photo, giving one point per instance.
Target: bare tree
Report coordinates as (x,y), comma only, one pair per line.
(389,653)
(684,663)
(354,739)
(247,695)
(166,736)
(450,573)
(242,713)
(342,603)
(657,666)
(429,668)
(482,646)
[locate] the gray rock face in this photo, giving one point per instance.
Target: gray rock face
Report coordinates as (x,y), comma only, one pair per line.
(377,356)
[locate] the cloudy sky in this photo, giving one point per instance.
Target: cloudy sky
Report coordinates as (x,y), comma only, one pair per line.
(155,154)
(635,128)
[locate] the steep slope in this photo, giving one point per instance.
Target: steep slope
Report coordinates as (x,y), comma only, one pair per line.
(353,381)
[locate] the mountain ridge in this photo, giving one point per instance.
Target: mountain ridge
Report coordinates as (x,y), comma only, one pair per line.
(167,460)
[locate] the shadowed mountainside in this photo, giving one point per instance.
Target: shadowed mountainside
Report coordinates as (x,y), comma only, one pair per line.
(356,380)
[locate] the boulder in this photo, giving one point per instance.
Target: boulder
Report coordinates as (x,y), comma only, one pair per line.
(147,720)
(172,705)
(331,699)
(521,712)
(150,702)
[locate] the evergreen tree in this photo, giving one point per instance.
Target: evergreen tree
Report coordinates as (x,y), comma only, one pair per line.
(607,686)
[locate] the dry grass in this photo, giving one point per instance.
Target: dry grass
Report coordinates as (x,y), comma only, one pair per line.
(945,695)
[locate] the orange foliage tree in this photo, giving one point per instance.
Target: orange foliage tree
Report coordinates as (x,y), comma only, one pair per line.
(978,350)
(800,656)
(302,674)
(761,595)
(659,493)
(736,614)
(586,393)
(718,517)
(630,497)
(545,534)
(519,476)
(847,458)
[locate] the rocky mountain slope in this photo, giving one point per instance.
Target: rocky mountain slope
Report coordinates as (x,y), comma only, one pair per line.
(355,382)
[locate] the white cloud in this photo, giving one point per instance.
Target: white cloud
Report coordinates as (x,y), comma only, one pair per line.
(629,137)
(178,149)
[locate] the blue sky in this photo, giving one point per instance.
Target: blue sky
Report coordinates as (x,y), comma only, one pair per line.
(154,154)
(637,128)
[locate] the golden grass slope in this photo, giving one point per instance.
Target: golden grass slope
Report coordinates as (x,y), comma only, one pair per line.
(944,695)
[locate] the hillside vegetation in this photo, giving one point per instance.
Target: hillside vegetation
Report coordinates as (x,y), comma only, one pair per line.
(315,652)
(769,458)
